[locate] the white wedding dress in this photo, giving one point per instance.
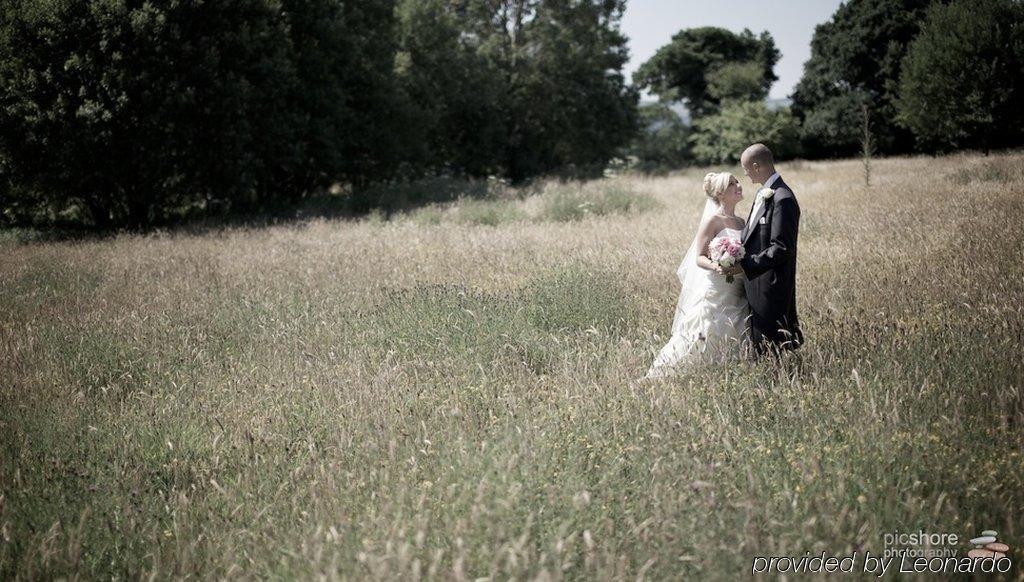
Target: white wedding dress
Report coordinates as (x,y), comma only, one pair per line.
(711,318)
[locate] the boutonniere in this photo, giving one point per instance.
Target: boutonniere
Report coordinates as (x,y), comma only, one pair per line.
(766,193)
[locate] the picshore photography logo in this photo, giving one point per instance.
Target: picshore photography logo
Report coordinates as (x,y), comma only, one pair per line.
(987,546)
(917,552)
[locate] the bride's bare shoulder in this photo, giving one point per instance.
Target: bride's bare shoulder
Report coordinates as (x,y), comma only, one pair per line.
(712,223)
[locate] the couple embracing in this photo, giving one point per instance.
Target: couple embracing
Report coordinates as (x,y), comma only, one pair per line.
(739,276)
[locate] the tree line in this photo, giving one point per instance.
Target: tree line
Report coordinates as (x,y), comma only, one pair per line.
(123,112)
(130,113)
(933,76)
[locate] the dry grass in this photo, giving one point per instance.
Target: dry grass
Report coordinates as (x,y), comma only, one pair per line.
(429,397)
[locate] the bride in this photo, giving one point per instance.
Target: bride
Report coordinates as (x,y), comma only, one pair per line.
(710,319)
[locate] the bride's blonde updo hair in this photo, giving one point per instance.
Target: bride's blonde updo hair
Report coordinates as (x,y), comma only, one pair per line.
(715,184)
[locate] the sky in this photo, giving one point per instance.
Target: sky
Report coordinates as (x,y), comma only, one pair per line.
(650,24)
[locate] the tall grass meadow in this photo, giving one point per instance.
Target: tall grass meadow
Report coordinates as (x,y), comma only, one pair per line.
(451,392)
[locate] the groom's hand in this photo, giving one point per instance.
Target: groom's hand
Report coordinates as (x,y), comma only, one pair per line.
(733,270)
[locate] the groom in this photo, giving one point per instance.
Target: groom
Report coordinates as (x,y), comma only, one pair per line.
(769,239)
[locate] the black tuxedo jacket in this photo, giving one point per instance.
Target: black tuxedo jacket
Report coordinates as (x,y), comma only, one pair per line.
(770,268)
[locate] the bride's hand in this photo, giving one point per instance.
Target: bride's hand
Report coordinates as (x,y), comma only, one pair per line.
(718,269)
(733,270)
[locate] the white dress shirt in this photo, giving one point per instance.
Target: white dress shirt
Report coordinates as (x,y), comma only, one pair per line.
(758,201)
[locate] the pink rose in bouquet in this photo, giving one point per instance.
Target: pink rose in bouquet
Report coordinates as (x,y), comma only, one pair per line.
(726,251)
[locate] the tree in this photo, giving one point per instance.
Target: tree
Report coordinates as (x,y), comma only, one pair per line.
(699,59)
(720,138)
(962,80)
(456,92)
(570,108)
(833,127)
(855,60)
(663,143)
(356,121)
(737,81)
(131,114)
(520,88)
(125,113)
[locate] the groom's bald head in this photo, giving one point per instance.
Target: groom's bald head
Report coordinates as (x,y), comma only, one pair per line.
(758,162)
(757,153)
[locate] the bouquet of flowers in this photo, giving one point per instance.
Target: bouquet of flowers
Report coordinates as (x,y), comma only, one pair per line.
(726,251)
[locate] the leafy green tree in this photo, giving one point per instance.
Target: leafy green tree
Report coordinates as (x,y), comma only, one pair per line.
(589,111)
(121,113)
(355,120)
(722,137)
(702,66)
(855,60)
(737,81)
(456,92)
(832,127)
(663,143)
(962,82)
(520,88)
